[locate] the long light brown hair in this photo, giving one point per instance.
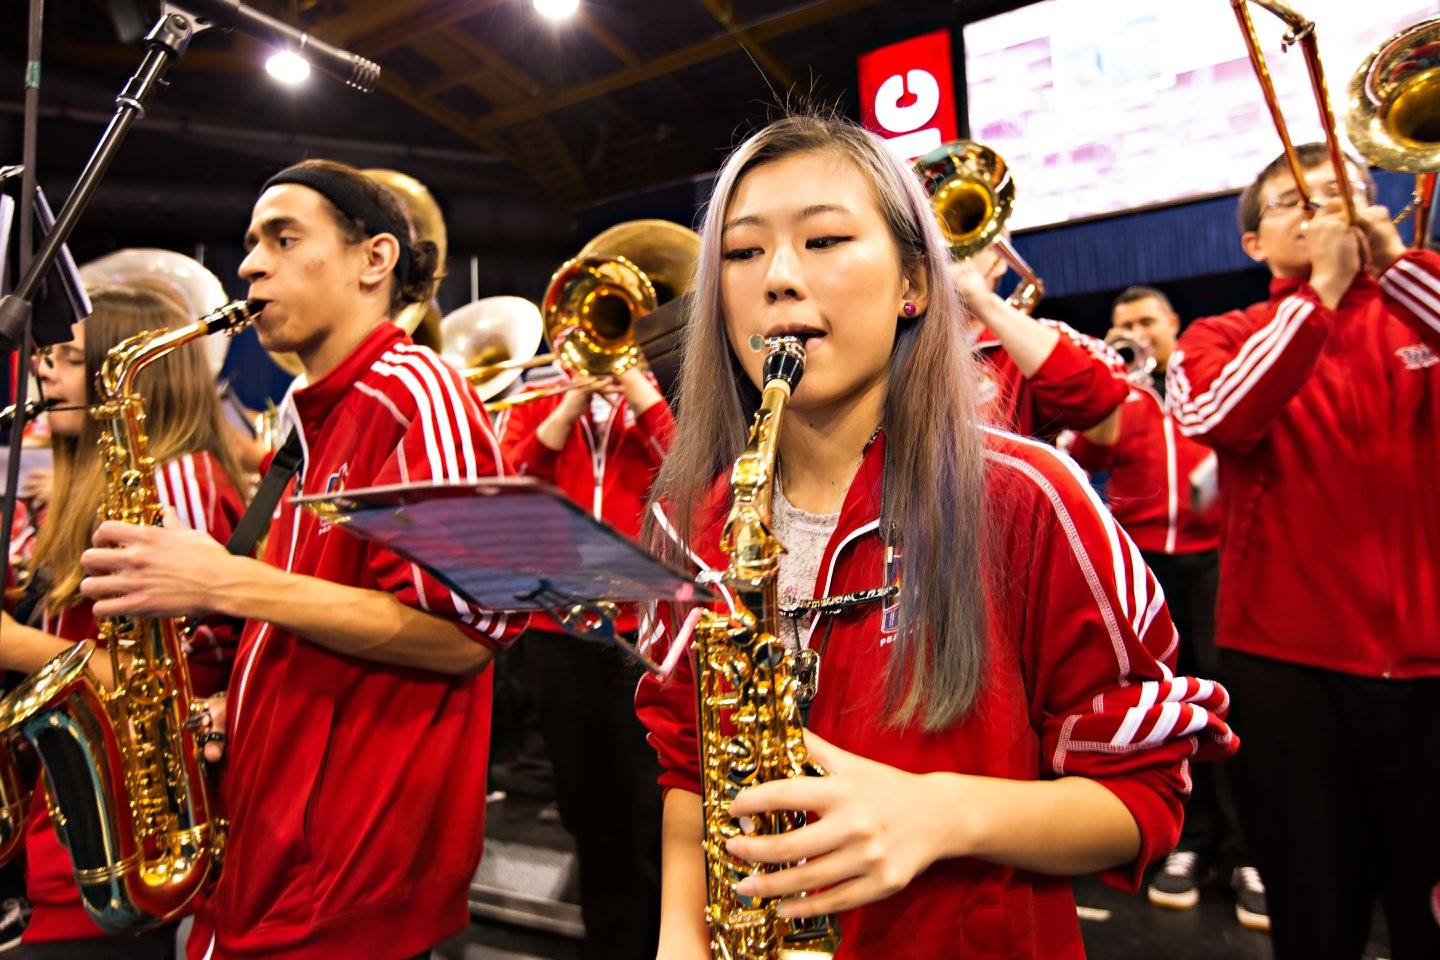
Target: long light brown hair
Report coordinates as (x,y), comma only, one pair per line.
(933,448)
(182,410)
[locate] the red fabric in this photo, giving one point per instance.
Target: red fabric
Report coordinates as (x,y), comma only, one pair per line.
(1075,388)
(356,791)
(1148,487)
(606,468)
(197,489)
(1077,683)
(1325,423)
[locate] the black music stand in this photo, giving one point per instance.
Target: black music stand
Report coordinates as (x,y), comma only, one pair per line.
(513,544)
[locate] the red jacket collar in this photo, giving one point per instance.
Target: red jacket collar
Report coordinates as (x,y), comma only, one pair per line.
(860,509)
(1282,287)
(315,401)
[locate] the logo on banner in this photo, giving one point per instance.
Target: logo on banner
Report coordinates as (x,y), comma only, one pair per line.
(907,94)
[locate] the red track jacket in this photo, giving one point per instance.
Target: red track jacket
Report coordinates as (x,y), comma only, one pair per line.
(197,489)
(356,791)
(1327,425)
(1149,478)
(1075,388)
(1077,684)
(605,467)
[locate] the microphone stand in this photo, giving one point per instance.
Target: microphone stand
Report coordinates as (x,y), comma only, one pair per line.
(166,43)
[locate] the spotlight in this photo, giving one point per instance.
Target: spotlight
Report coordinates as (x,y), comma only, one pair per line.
(288,67)
(556,9)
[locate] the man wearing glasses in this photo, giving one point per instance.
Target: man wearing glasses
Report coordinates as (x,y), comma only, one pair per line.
(1322,405)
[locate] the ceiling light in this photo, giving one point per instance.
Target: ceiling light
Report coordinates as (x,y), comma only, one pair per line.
(556,9)
(288,67)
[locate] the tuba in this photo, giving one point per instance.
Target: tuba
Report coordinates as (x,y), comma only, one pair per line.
(420,320)
(130,797)
(1393,114)
(751,730)
(492,340)
(181,278)
(973,195)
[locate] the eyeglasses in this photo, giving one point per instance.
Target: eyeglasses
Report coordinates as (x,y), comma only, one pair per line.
(1291,200)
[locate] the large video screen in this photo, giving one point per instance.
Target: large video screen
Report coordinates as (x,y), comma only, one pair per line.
(1107,105)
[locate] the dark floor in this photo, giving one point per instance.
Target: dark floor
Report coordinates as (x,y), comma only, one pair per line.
(1116,926)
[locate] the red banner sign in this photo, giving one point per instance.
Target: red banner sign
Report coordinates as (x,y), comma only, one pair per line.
(907,93)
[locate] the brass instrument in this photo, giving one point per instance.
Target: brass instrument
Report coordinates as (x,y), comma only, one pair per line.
(420,320)
(751,731)
(973,195)
(595,303)
(1301,31)
(131,800)
(1138,357)
(1393,114)
(183,279)
(18,772)
(492,341)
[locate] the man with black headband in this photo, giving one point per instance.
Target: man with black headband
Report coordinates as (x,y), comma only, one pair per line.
(358,716)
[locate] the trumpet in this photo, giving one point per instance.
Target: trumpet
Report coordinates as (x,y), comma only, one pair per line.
(973,195)
(1393,114)
(1137,355)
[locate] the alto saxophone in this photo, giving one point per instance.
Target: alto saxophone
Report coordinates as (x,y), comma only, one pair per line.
(128,793)
(750,726)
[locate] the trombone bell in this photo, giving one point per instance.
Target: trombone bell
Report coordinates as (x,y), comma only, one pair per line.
(1393,109)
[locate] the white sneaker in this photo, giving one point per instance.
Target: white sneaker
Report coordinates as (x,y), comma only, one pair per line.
(1250,907)
(1177,885)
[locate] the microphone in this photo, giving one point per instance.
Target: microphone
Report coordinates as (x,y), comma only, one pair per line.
(353,69)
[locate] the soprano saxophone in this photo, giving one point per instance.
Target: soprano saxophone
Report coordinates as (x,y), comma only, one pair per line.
(750,726)
(128,793)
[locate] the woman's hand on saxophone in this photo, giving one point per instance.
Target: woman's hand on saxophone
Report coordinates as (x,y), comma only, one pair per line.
(165,571)
(209,725)
(870,841)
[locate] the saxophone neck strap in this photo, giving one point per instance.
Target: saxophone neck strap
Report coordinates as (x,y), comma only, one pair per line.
(256,521)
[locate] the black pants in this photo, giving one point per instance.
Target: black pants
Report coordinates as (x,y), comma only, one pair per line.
(1212,824)
(1339,793)
(155,945)
(605,787)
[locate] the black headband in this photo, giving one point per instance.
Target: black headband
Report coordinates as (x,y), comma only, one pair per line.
(351,200)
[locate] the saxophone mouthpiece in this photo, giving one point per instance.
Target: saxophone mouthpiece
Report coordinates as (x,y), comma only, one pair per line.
(33,408)
(232,317)
(785,361)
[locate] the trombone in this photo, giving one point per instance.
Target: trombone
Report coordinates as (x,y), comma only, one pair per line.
(1393,114)
(1301,31)
(973,195)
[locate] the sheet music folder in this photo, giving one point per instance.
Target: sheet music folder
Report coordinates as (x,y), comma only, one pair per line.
(511,543)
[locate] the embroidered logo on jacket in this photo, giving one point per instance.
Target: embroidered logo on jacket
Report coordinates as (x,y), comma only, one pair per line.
(334,484)
(1417,356)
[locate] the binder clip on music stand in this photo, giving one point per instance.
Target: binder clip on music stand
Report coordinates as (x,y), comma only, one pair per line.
(515,543)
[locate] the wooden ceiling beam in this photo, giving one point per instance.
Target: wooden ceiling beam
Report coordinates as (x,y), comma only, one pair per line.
(723,12)
(622,51)
(366,17)
(768,28)
(442,15)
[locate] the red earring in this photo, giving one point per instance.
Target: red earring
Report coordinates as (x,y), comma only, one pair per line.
(909,308)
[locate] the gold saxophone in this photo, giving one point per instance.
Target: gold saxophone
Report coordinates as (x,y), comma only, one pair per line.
(750,726)
(128,794)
